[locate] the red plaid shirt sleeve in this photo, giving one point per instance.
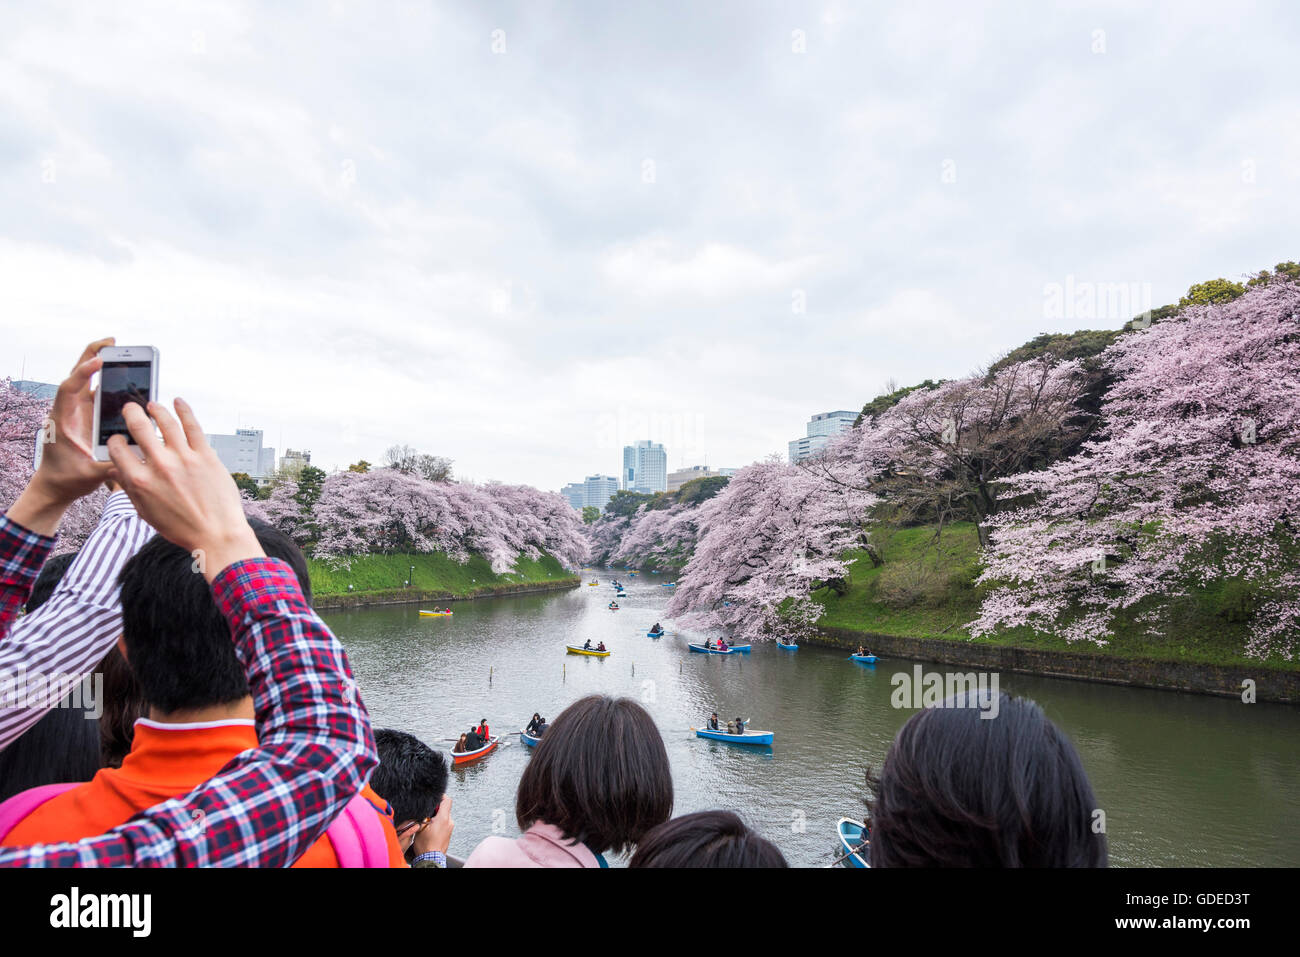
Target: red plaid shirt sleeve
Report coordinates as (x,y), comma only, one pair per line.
(268,805)
(22,556)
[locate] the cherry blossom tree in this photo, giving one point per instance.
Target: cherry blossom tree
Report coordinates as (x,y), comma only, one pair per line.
(937,455)
(774,534)
(1192,477)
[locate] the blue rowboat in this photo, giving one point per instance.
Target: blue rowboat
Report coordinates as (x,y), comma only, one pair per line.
(668,585)
(732,650)
(529,740)
(865,659)
(749,737)
(654,634)
(785,647)
(851,839)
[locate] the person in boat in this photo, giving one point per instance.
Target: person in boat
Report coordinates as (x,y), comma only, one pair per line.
(708,643)
(587,794)
(532,725)
(657,629)
(483,731)
(712,724)
(587,646)
(459,746)
(706,839)
(541,728)
(601,646)
(472,740)
(740,726)
(722,644)
(731,727)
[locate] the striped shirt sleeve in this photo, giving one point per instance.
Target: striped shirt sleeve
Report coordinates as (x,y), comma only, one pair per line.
(61,642)
(271,803)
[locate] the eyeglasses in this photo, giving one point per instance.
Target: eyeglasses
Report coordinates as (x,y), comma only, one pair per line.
(410,824)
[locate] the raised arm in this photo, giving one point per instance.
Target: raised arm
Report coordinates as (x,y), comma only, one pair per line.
(68,471)
(316,748)
(72,632)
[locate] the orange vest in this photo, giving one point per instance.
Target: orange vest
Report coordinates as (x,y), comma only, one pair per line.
(166,761)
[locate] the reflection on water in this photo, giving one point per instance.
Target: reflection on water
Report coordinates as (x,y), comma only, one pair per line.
(1184,779)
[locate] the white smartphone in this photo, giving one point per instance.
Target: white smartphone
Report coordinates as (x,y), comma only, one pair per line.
(129,374)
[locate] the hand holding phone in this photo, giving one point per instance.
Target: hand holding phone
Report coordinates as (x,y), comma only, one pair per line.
(66,469)
(129,374)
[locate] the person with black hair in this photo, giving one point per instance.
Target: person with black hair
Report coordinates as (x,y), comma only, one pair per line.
(64,744)
(412,778)
(712,724)
(532,725)
(599,783)
(706,839)
(959,788)
(200,711)
(473,740)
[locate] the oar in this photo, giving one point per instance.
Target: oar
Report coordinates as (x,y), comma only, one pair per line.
(845,857)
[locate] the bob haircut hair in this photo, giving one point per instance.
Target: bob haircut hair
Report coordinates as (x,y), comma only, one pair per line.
(961,790)
(600,774)
(706,839)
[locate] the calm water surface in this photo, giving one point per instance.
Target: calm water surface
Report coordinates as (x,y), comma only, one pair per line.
(1184,779)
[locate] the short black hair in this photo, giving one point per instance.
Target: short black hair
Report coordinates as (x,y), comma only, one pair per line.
(52,573)
(961,790)
(411,776)
(178,642)
(706,839)
(600,774)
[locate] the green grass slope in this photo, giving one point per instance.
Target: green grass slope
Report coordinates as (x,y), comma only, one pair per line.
(927,590)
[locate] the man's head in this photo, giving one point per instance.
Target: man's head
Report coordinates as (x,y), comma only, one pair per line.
(411,776)
(176,639)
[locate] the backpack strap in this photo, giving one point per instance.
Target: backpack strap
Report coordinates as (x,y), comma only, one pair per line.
(357,836)
(18,807)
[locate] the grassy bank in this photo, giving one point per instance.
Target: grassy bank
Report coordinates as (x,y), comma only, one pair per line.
(927,590)
(435,575)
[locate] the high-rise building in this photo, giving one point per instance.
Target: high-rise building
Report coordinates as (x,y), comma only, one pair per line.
(594,491)
(679,478)
(627,478)
(821,427)
(575,493)
(243,452)
(599,489)
(649,467)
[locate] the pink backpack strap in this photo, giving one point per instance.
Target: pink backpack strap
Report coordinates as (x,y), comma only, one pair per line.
(18,807)
(357,836)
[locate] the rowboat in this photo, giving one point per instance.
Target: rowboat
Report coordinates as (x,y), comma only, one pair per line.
(578,650)
(592,584)
(865,659)
(785,647)
(529,740)
(749,737)
(851,839)
(467,756)
(668,585)
(733,650)
(654,634)
(435,614)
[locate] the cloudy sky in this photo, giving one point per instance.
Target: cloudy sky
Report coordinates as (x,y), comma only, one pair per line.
(521,235)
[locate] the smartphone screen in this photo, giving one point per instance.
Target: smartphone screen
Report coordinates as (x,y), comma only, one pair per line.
(121,382)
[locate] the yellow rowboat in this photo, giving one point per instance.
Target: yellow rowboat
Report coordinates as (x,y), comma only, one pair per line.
(577,650)
(435,614)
